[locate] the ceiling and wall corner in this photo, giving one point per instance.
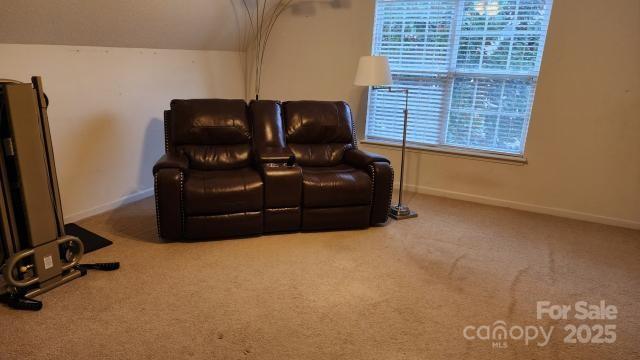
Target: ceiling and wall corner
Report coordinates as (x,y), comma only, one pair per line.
(153,24)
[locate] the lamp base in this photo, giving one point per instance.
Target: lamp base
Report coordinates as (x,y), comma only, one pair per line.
(401,212)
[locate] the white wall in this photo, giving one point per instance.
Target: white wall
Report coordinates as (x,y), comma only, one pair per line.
(584,140)
(313,53)
(106,109)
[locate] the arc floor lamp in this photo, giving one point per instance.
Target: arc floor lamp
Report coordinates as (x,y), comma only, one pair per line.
(374,71)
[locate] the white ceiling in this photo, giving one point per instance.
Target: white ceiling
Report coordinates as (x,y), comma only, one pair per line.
(160,24)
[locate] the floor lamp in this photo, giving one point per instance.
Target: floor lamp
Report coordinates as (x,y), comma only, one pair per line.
(374,71)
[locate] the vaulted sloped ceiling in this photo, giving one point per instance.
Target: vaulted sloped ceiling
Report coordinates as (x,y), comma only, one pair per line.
(161,24)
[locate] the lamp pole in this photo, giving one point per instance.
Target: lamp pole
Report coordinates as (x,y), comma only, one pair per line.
(401,211)
(404,143)
(374,72)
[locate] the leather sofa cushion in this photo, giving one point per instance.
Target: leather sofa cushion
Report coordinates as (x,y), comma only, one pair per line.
(343,217)
(214,134)
(317,122)
(319,154)
(209,122)
(332,186)
(266,116)
(223,191)
(225,225)
(220,157)
(282,186)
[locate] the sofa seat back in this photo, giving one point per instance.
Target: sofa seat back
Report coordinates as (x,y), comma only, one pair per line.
(214,134)
(318,132)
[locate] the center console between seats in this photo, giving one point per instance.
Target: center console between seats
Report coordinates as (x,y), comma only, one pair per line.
(281,176)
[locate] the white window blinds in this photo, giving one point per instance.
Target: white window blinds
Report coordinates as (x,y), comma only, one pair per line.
(471,68)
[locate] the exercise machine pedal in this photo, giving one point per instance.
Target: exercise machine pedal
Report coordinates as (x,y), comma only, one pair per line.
(110,266)
(19,302)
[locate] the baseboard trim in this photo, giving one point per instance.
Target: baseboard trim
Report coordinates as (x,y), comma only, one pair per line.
(77,216)
(487,200)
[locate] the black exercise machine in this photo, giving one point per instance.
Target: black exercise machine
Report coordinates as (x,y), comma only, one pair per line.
(35,253)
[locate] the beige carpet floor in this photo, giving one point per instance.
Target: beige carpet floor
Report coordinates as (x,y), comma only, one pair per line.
(403,291)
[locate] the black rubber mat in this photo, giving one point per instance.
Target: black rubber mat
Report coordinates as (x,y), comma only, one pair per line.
(91,241)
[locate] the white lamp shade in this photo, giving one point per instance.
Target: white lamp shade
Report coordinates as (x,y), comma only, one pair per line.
(373,71)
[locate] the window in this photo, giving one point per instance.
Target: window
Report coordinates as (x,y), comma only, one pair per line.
(471,67)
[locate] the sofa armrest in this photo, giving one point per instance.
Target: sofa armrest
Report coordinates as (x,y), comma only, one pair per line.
(277,155)
(171,161)
(168,185)
(362,159)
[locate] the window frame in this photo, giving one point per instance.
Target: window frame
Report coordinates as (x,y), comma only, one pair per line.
(450,75)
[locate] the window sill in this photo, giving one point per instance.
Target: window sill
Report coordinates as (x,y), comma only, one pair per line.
(451,151)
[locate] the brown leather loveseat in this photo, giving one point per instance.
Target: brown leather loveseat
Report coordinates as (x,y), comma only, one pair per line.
(234,170)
